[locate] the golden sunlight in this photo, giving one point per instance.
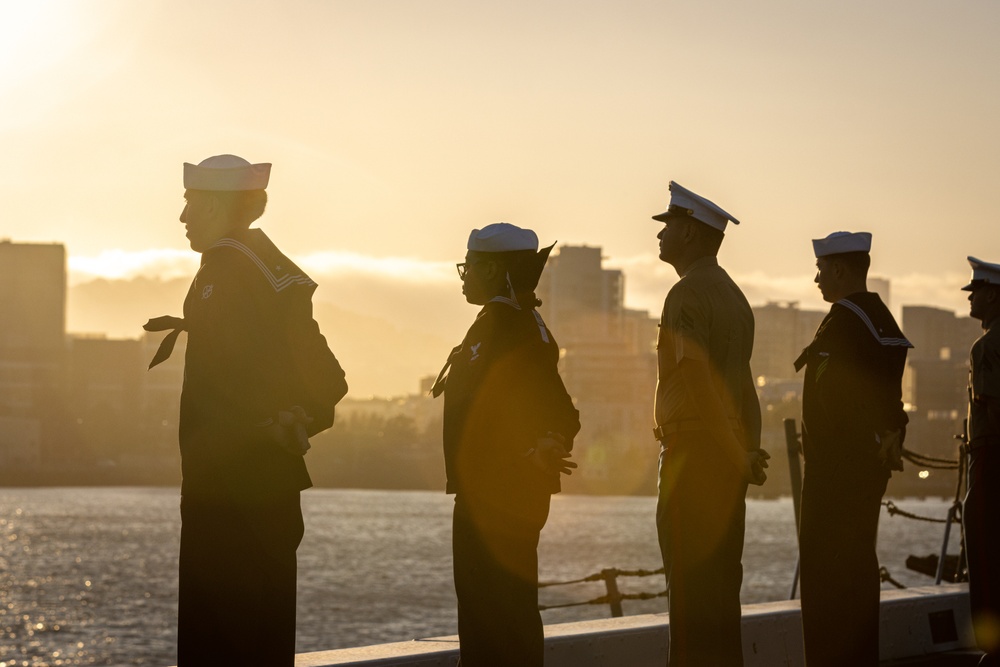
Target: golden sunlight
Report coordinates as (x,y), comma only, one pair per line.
(34,36)
(160,263)
(166,264)
(400,268)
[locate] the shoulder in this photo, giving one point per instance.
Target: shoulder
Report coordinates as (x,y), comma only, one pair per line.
(991,338)
(687,291)
(874,317)
(841,327)
(507,328)
(226,266)
(707,289)
(253,257)
(987,345)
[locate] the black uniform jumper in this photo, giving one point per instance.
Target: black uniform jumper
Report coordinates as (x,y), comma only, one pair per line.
(253,349)
(851,394)
(503,392)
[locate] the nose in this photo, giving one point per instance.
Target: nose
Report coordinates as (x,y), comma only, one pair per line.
(660,234)
(816,279)
(183,213)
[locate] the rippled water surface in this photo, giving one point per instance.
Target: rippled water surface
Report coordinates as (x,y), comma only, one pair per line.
(89,576)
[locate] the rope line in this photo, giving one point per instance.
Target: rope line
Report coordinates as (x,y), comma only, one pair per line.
(605,599)
(929,461)
(610,575)
(883,575)
(893,511)
(600,576)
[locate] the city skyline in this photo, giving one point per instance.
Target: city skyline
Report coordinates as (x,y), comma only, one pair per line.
(65,396)
(391,341)
(650,279)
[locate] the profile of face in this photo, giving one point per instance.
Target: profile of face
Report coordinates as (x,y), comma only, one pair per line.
(479,278)
(827,278)
(204,219)
(673,238)
(982,300)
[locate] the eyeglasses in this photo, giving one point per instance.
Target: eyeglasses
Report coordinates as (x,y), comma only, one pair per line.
(463,268)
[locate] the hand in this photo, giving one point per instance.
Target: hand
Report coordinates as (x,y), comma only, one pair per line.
(289,431)
(756,463)
(549,455)
(890,453)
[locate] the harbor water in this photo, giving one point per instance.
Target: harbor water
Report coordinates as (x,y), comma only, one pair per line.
(88,576)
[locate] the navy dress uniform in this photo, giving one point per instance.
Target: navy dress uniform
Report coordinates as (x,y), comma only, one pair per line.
(502,392)
(982,500)
(254,356)
(851,407)
(701,505)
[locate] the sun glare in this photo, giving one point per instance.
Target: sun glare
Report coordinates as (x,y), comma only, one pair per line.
(34,35)
(164,264)
(399,268)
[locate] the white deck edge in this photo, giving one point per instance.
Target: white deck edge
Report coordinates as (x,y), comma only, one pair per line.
(772,636)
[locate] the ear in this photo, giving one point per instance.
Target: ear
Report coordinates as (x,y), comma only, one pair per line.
(690,234)
(491,269)
(837,269)
(211,203)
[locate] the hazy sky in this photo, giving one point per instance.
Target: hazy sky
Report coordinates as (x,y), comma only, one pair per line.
(395,126)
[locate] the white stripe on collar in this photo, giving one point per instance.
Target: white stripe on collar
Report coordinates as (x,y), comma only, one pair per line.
(516,306)
(883,340)
(504,300)
(279,283)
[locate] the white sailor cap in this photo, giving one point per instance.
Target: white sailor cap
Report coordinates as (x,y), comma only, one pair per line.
(226,172)
(685,202)
(839,242)
(982,273)
(502,237)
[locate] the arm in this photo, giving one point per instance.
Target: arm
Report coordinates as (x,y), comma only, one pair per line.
(696,375)
(260,354)
(993,412)
(549,420)
(750,414)
(320,380)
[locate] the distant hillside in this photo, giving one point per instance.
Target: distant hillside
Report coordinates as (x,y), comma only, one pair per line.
(381,357)
(119,308)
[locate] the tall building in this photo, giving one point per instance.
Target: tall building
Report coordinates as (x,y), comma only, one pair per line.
(32,346)
(582,301)
(937,371)
(781,330)
(32,297)
(881,286)
(608,366)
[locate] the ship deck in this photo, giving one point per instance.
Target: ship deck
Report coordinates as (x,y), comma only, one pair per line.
(927,627)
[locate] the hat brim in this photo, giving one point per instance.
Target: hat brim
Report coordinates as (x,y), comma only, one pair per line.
(667,215)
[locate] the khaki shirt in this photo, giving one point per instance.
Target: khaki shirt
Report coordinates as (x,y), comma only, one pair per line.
(984,383)
(706,317)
